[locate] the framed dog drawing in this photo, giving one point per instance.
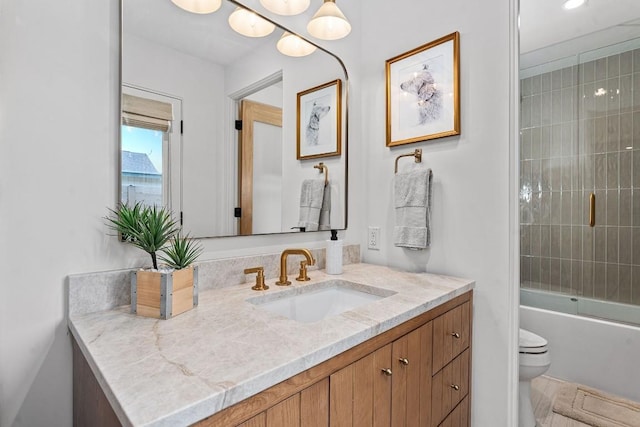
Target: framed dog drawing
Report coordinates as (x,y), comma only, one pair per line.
(423,92)
(319,124)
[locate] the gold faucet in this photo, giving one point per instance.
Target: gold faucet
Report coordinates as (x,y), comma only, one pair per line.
(283,263)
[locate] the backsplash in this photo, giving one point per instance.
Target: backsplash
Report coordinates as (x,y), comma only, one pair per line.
(93,292)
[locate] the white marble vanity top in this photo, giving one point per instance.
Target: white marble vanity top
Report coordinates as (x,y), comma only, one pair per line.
(176,372)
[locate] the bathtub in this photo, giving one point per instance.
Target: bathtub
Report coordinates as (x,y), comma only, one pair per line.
(594,352)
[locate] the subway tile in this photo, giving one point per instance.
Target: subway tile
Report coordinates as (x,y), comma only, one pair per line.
(588,71)
(566,208)
(612,207)
(567,77)
(636,129)
(635,245)
(525,174)
(613,95)
(588,135)
(576,242)
(567,173)
(576,277)
(601,98)
(545,109)
(599,280)
(612,283)
(525,87)
(599,244)
(576,207)
(535,109)
(525,144)
(635,284)
(568,111)
(612,244)
(587,243)
(545,274)
(613,66)
(568,147)
(535,208)
(636,60)
(600,170)
(625,211)
(535,142)
(535,272)
(626,63)
(555,208)
(545,174)
(626,160)
(535,240)
(601,69)
(565,276)
(526,216)
(587,279)
(600,135)
(626,93)
(626,131)
(525,271)
(535,85)
(635,208)
(545,241)
(565,242)
(555,241)
(576,173)
(545,82)
(636,168)
(625,242)
(601,207)
(525,240)
(556,107)
(556,140)
(545,209)
(587,171)
(525,112)
(589,100)
(613,133)
(556,79)
(556,173)
(545,142)
(536,176)
(624,280)
(613,179)
(636,92)
(555,275)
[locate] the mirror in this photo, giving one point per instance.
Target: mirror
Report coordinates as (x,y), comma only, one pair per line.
(191,73)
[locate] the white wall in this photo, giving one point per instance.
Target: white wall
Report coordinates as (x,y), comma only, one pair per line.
(470,222)
(58,67)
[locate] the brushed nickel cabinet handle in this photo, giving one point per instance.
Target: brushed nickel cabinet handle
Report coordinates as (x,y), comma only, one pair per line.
(404,361)
(592,210)
(455,335)
(455,387)
(387,372)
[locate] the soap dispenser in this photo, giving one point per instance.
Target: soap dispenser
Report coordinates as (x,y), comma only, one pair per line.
(334,254)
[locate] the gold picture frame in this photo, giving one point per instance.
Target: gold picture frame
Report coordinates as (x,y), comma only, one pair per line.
(319,121)
(423,92)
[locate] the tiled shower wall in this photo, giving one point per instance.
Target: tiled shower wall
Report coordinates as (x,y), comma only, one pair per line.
(580,133)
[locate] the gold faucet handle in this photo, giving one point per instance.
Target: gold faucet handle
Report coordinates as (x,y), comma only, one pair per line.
(260,285)
(302,277)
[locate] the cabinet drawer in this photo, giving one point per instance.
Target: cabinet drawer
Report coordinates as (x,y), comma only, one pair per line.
(459,417)
(451,335)
(449,387)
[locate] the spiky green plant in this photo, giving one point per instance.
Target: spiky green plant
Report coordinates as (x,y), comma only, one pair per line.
(181,251)
(146,227)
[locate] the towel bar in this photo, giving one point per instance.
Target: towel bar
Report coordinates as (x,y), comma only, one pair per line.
(325,169)
(417,154)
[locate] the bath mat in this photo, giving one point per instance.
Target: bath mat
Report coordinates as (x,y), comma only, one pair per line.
(596,408)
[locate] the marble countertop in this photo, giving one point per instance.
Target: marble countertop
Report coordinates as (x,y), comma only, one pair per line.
(176,372)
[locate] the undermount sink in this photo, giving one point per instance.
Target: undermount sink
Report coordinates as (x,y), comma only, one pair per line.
(319,301)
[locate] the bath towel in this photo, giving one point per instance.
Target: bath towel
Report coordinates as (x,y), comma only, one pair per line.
(311,197)
(325,210)
(412,202)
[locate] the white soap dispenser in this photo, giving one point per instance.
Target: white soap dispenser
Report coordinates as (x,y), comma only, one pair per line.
(334,254)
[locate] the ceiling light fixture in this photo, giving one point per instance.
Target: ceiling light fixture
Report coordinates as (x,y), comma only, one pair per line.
(198,6)
(572,4)
(292,45)
(286,7)
(329,23)
(249,24)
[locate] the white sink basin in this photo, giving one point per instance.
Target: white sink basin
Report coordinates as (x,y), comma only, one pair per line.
(320,300)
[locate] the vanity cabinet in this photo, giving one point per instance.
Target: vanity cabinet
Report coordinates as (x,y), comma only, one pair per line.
(415,374)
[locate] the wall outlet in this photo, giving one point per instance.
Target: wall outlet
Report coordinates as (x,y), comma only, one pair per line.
(373,238)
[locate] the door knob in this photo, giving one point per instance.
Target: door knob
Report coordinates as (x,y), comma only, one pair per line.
(404,361)
(387,372)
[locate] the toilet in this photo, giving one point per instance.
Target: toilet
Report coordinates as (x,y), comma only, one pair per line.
(534,360)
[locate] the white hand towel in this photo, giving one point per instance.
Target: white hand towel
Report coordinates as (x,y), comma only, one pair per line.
(311,197)
(412,202)
(325,210)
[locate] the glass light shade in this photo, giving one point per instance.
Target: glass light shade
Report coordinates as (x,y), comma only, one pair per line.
(286,7)
(329,23)
(292,45)
(249,24)
(198,6)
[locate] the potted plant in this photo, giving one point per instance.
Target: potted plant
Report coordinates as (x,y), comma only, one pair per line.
(169,290)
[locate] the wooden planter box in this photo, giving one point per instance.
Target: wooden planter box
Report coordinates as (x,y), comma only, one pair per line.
(164,295)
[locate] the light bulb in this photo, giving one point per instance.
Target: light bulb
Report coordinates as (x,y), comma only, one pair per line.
(198,6)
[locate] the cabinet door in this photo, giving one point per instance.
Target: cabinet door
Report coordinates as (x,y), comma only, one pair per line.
(411,380)
(450,386)
(451,335)
(360,394)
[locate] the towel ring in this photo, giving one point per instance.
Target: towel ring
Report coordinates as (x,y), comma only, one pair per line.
(325,169)
(417,154)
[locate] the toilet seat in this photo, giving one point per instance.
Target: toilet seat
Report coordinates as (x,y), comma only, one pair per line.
(530,343)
